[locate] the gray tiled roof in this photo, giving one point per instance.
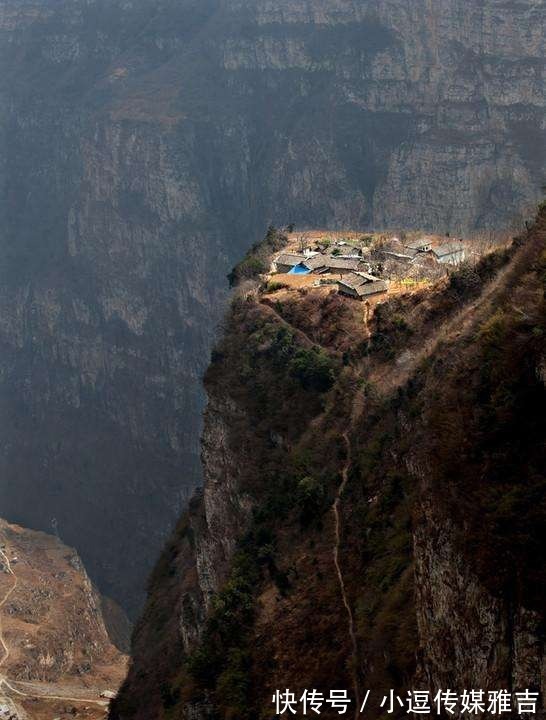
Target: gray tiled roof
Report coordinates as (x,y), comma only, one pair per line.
(449,248)
(356,279)
(372,288)
(315,262)
(404,254)
(290,259)
(335,263)
(417,244)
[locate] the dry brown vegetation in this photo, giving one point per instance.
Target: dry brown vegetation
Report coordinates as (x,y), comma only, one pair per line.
(52,626)
(451,380)
(325,317)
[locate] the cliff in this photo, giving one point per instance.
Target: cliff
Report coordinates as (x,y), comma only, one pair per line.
(55,652)
(373,510)
(144,145)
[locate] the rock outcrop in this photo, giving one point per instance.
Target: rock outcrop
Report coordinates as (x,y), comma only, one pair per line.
(423,429)
(54,637)
(144,145)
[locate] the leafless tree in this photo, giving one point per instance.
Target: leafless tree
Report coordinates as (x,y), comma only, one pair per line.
(303,238)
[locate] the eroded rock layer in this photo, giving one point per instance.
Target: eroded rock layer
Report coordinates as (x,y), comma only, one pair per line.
(144,145)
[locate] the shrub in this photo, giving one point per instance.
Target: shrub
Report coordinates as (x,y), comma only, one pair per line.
(401,324)
(250,267)
(256,261)
(465,282)
(311,496)
(221,661)
(313,369)
(170,696)
(493,331)
(282,346)
(234,684)
(274,285)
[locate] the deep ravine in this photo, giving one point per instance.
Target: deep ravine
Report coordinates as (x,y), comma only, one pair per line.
(145,146)
(392,568)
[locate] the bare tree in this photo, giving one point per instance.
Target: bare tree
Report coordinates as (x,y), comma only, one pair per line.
(303,238)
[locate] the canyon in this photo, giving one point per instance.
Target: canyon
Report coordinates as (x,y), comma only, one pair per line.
(144,146)
(373,512)
(56,656)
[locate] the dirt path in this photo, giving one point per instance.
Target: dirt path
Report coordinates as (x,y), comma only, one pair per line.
(339,572)
(297,331)
(41,693)
(6,597)
(390,376)
(36,692)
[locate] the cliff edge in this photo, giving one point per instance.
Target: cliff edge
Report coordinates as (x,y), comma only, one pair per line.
(374,506)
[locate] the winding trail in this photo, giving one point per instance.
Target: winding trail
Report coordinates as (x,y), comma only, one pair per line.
(339,572)
(388,377)
(46,696)
(301,334)
(357,410)
(4,682)
(5,647)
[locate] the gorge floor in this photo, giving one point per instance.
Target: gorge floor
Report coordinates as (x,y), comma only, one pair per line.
(57,659)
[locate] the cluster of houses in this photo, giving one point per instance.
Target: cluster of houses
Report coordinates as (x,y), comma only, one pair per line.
(356,268)
(451,252)
(351,271)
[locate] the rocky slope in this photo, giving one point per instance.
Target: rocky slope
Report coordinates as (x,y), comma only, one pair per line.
(144,144)
(53,636)
(374,508)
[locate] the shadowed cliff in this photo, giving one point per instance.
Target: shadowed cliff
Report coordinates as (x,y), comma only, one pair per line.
(145,145)
(374,505)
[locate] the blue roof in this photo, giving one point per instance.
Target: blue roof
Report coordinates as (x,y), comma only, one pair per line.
(300,269)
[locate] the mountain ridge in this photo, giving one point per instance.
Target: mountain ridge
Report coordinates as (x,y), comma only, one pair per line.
(412,429)
(144,146)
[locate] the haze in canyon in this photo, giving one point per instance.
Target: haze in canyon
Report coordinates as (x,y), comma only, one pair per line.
(145,145)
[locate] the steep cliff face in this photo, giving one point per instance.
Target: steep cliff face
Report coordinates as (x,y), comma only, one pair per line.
(103,350)
(110,286)
(374,503)
(145,144)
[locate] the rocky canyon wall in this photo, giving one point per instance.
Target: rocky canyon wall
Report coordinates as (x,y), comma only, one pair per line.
(145,144)
(373,511)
